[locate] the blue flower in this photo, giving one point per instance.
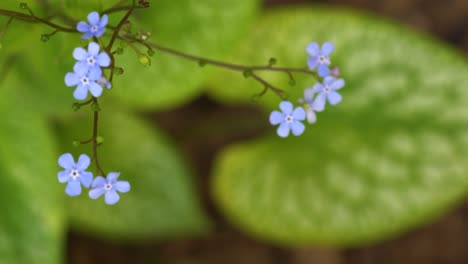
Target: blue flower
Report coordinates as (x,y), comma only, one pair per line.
(289,119)
(91,60)
(320,58)
(328,91)
(74,173)
(312,105)
(96,26)
(109,188)
(85,81)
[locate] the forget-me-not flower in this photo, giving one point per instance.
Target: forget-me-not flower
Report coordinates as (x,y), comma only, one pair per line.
(74,173)
(328,91)
(288,119)
(91,60)
(96,27)
(84,81)
(109,187)
(312,106)
(320,57)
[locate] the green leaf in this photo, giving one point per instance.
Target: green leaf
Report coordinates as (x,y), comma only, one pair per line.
(209,28)
(392,156)
(31,223)
(162,201)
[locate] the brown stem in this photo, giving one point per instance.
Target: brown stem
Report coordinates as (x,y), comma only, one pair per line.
(34,19)
(94,139)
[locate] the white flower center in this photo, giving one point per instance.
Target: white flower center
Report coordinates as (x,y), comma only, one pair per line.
(323,59)
(91,60)
(327,88)
(289,119)
(108,186)
(74,174)
(94,28)
(85,80)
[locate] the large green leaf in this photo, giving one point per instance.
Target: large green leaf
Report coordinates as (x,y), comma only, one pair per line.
(31,223)
(393,155)
(161,202)
(209,28)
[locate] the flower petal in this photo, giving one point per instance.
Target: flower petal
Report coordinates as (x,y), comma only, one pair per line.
(328,80)
(83,162)
(313,49)
(297,128)
(71,79)
(95,73)
(86,178)
(103,59)
(112,197)
(334,98)
(319,102)
(73,188)
(80,54)
(299,113)
(96,193)
(323,70)
(93,18)
(311,116)
(95,89)
(104,21)
(286,107)
(63,176)
(276,118)
(81,68)
(318,88)
(312,62)
(122,186)
(112,177)
(337,84)
(93,49)
(309,95)
(327,48)
(82,27)
(66,161)
(100,32)
(99,181)
(81,92)
(87,35)
(283,130)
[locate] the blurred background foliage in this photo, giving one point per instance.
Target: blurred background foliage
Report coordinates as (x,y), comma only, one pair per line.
(211,182)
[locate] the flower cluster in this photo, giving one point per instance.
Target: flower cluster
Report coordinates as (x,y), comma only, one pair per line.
(315,98)
(87,73)
(75,175)
(88,76)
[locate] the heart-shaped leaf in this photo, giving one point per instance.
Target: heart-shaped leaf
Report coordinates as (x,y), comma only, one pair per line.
(393,155)
(31,223)
(161,202)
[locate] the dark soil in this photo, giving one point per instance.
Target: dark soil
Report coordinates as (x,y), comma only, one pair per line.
(445,241)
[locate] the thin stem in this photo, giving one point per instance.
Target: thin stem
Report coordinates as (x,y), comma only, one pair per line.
(94,139)
(34,19)
(231,66)
(119,26)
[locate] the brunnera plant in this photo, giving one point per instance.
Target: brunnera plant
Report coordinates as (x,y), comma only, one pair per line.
(96,67)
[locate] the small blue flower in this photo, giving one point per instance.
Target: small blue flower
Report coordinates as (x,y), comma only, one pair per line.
(288,120)
(85,81)
(91,60)
(312,105)
(104,82)
(328,91)
(320,58)
(74,173)
(96,26)
(109,188)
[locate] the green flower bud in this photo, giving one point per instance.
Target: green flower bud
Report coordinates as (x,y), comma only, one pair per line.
(145,60)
